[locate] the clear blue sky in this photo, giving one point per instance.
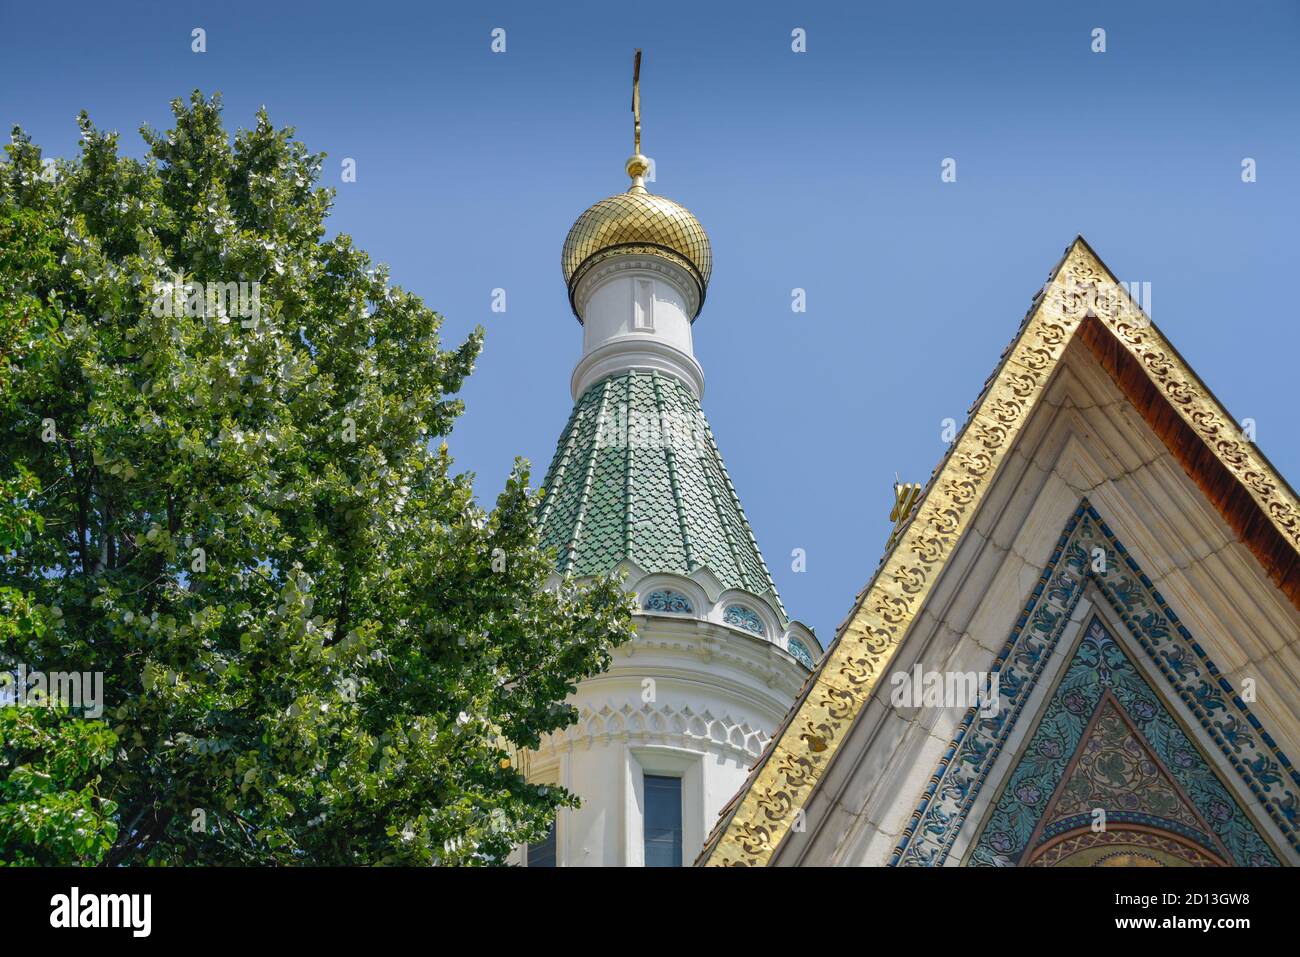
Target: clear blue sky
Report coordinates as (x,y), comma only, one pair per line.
(817,170)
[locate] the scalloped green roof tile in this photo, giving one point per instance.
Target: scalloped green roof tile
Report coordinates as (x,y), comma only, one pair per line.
(637,474)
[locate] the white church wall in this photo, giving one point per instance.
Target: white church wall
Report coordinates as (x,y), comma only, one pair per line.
(635,301)
(636,314)
(686,698)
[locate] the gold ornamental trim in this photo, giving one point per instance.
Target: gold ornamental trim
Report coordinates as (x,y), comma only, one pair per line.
(805,746)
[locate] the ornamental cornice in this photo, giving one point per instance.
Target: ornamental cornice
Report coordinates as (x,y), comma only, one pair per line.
(638,258)
(657,724)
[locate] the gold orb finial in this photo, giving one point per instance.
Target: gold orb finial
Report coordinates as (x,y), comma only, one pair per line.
(638,221)
(637,167)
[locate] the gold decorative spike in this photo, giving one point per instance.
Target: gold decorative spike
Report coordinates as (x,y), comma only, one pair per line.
(905,496)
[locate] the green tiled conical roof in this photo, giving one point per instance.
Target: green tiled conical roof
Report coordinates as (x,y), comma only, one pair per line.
(637,475)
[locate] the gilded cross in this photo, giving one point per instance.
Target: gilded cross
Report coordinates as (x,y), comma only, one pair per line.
(636,100)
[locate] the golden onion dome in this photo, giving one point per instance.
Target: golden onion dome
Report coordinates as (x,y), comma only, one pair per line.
(637,222)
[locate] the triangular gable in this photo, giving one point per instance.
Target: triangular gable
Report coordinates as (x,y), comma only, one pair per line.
(1082,299)
(1111,765)
(1105,739)
(1118,582)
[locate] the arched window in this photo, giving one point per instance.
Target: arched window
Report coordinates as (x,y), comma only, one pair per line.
(666,600)
(800,652)
(742,617)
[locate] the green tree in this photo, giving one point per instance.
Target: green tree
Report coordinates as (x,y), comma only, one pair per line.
(51,811)
(314,643)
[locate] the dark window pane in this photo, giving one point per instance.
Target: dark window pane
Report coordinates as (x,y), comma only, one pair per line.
(663,821)
(543,854)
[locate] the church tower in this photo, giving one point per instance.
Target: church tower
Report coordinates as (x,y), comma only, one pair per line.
(667,735)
